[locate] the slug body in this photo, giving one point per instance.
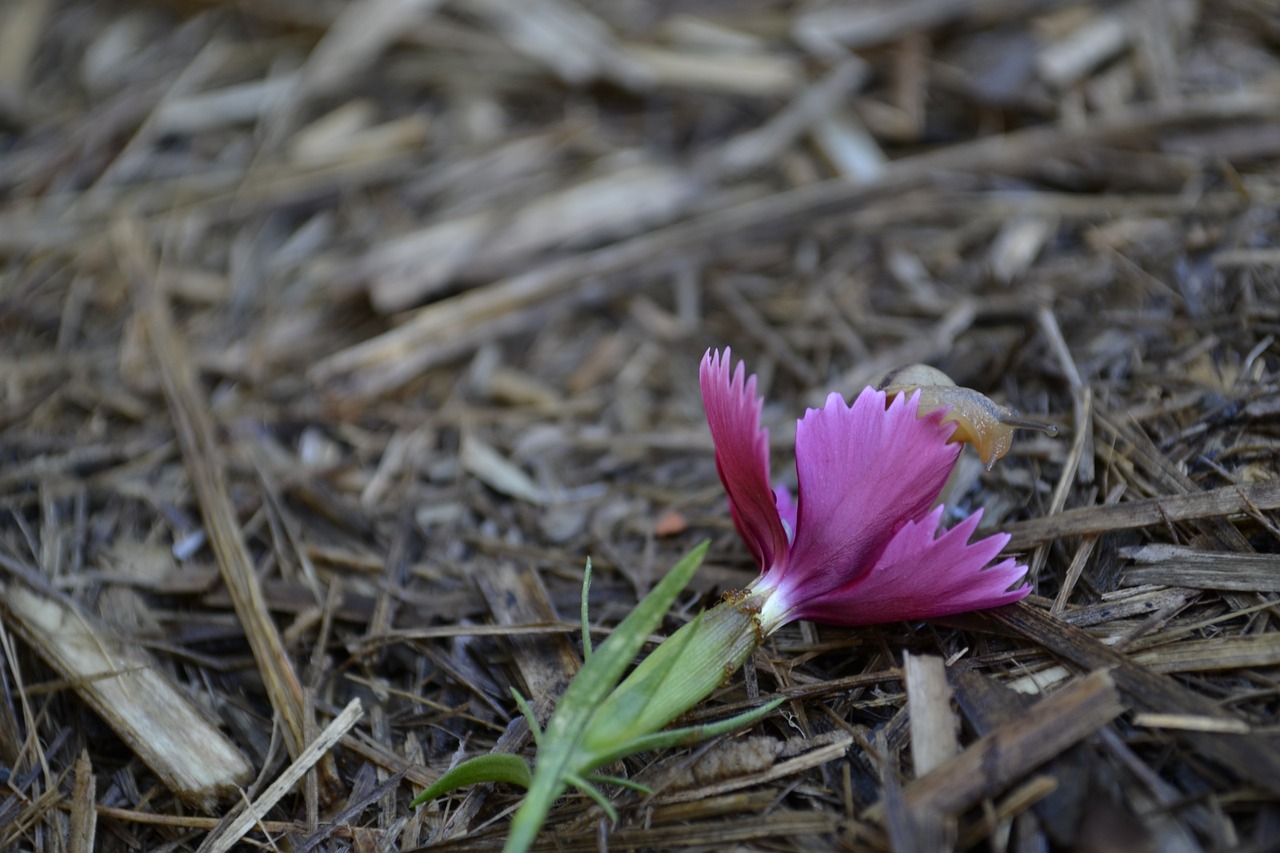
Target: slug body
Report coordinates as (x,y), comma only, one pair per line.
(979,421)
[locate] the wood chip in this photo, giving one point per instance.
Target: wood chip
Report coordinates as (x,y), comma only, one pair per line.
(492,469)
(83,817)
(933,724)
(1191,723)
(126,689)
(1001,757)
(1256,760)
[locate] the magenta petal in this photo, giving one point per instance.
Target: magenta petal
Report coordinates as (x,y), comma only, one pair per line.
(920,577)
(787,508)
(742,456)
(863,472)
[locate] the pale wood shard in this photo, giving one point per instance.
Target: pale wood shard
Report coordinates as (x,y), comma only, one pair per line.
(1135,602)
(1069,58)
(1213,654)
(1191,722)
(1017,244)
(933,744)
(199,113)
(933,723)
(489,466)
(848,147)
(739,73)
(569,40)
(816,757)
(491,243)
(360,34)
(1177,565)
(143,707)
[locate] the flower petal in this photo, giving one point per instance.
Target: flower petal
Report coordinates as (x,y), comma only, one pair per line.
(787,509)
(863,472)
(920,577)
(742,456)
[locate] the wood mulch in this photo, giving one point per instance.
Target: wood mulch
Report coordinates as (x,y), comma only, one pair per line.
(335,336)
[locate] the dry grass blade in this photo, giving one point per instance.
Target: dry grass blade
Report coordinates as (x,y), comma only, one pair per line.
(231,834)
(195,432)
(83,817)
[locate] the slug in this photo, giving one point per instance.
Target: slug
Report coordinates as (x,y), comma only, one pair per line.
(979,421)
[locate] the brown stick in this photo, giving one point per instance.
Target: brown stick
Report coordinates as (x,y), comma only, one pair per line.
(1227,500)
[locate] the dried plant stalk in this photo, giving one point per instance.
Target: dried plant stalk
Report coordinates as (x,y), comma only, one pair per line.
(195,432)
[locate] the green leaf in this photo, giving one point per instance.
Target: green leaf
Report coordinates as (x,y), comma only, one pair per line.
(691,734)
(594,793)
(494,767)
(523,704)
(602,672)
(635,697)
(602,779)
(678,674)
(586,623)
(599,675)
(560,754)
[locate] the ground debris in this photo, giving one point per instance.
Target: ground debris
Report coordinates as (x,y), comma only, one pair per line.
(335,337)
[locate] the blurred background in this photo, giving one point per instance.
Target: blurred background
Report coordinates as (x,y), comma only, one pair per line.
(334,337)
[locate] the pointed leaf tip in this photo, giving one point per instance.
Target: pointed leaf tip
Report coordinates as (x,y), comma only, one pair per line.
(494,767)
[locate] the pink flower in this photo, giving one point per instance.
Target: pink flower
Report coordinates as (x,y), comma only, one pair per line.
(859,544)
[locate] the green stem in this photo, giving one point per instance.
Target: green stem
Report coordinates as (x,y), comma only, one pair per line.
(678,674)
